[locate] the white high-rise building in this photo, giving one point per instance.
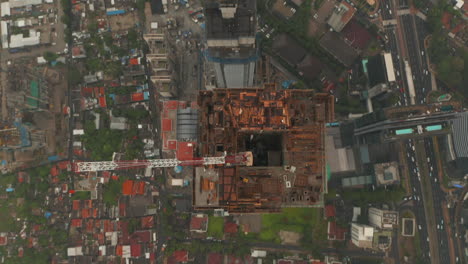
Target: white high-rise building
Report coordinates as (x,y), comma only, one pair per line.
(362,235)
(383,219)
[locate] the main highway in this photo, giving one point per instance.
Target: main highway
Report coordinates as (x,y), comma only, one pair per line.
(438,199)
(405,37)
(417,198)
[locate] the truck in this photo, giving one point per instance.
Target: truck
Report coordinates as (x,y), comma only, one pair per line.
(179,182)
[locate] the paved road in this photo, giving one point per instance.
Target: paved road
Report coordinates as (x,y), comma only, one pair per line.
(417,198)
(438,197)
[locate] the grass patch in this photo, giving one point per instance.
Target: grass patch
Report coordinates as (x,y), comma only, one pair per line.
(215,227)
(81,195)
(306,221)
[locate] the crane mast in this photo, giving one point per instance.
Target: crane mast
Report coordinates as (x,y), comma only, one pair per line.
(243,159)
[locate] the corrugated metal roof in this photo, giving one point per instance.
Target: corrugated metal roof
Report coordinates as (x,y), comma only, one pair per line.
(460,130)
(187,124)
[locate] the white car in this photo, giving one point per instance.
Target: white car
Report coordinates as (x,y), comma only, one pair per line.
(438,226)
(428,159)
(435,179)
(414,149)
(412,159)
(419,226)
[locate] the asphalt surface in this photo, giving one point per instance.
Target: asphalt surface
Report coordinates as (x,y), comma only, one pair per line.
(438,197)
(418,208)
(416,57)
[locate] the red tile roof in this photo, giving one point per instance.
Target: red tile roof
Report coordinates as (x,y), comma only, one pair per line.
(76,222)
(102,101)
(127,187)
(101,239)
(118,250)
(3,240)
(171,105)
(138,97)
(197,223)
(230,227)
(135,250)
(124,232)
(134,61)
(180,255)
(85,213)
(214,258)
(446,17)
(63,165)
(356,35)
(54,171)
(141,237)
(90,226)
(336,232)
(185,150)
(172,144)
(21,177)
(330,211)
(237,260)
(147,222)
(166,125)
(139,188)
(88,204)
(108,226)
(76,205)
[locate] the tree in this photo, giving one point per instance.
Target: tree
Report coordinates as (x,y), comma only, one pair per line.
(132,37)
(50,56)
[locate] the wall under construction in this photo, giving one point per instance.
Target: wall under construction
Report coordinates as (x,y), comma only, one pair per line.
(283,129)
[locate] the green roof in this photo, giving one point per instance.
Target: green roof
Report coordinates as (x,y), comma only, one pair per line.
(405,131)
(34,88)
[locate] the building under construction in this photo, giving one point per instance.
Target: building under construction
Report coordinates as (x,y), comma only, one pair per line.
(283,129)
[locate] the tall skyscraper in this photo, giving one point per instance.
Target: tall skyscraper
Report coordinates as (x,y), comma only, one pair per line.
(230,36)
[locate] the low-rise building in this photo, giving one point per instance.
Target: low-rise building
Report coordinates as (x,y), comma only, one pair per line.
(387,173)
(336,232)
(199,223)
(341,16)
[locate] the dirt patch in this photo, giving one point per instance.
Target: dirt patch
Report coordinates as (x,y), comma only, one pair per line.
(251,223)
(282,9)
(122,22)
(289,238)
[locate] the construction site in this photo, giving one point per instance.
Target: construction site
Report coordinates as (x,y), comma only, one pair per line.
(33,116)
(284,131)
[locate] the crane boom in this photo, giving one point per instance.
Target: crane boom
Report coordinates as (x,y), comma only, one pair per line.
(244,158)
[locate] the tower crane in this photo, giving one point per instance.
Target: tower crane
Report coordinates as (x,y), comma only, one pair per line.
(242,158)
